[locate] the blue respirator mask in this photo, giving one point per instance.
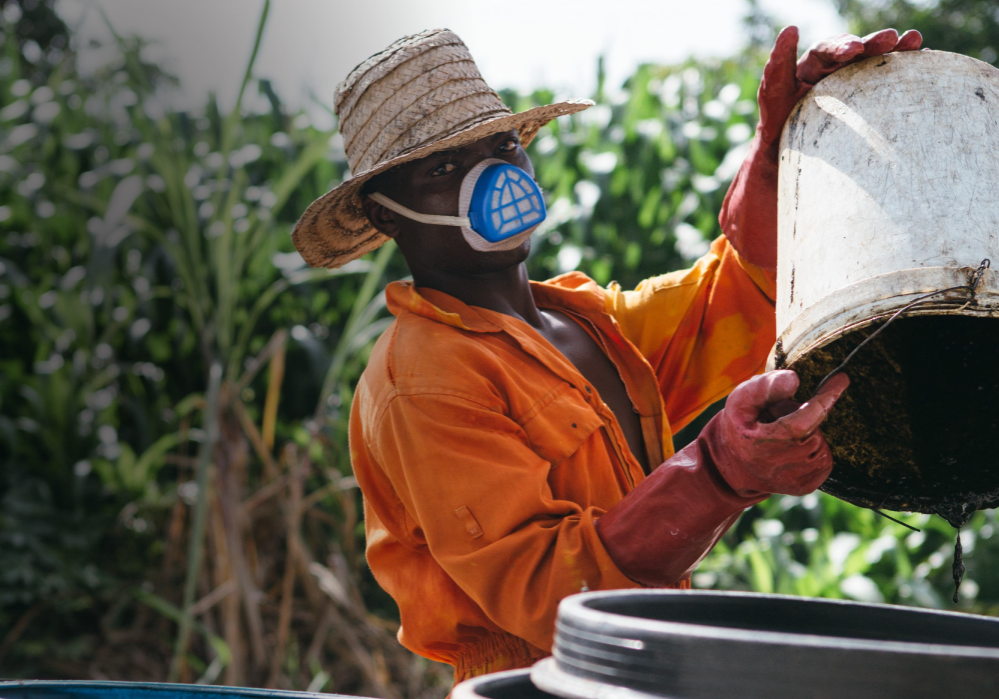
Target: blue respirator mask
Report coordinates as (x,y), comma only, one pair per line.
(498,207)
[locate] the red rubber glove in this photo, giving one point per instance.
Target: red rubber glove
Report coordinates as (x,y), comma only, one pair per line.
(762,442)
(749,213)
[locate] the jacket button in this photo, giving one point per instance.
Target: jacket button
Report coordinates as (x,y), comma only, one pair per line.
(574,424)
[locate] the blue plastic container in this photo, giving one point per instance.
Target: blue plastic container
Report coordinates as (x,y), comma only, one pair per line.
(57,689)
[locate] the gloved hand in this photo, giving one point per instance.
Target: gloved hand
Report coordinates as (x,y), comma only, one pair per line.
(762,442)
(749,213)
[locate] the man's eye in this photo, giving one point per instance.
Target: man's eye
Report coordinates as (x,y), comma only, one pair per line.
(442,169)
(509,145)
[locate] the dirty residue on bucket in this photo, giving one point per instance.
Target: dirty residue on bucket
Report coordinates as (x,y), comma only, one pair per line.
(958,567)
(916,429)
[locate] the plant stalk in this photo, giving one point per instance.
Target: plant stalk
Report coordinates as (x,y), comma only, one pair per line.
(198,527)
(364,295)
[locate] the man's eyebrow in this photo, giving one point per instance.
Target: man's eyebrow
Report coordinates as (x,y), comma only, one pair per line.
(448,153)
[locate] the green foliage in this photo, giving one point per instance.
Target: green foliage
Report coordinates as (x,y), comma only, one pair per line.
(635,183)
(138,245)
(970,27)
(823,547)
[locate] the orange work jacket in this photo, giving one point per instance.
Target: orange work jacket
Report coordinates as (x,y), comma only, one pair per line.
(485,457)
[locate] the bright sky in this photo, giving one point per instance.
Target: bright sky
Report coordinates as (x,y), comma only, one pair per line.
(310,45)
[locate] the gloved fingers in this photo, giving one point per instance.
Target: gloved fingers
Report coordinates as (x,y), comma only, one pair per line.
(806,453)
(804,421)
(800,425)
(910,41)
(827,56)
(779,88)
(835,386)
(822,463)
(800,477)
(805,475)
(837,49)
(750,398)
(775,411)
(811,481)
(879,43)
(817,448)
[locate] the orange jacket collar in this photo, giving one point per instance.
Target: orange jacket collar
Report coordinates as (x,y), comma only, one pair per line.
(573,291)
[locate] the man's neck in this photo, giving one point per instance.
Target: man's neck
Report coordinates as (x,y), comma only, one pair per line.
(507,291)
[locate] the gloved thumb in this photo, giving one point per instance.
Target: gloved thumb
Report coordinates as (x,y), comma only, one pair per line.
(806,419)
(783,62)
(779,87)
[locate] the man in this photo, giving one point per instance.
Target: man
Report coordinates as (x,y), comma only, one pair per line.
(513,439)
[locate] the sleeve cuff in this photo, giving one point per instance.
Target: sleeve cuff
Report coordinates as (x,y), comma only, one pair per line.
(764,279)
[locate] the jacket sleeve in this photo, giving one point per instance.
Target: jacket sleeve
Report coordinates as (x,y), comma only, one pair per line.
(704,330)
(479,499)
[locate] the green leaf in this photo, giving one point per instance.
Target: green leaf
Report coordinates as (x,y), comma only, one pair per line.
(171,612)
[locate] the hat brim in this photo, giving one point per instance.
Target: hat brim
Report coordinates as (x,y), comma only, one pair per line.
(335,230)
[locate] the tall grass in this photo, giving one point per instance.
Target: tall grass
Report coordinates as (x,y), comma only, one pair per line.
(261,581)
(213,249)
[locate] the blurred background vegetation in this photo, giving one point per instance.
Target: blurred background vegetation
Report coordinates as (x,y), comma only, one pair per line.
(176,498)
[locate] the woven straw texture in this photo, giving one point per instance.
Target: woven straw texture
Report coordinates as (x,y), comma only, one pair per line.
(421,95)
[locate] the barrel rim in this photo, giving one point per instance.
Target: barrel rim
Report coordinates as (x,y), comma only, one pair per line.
(549,677)
(468,689)
(577,607)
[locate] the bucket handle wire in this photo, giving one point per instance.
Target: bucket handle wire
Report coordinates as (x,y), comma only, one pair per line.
(971,287)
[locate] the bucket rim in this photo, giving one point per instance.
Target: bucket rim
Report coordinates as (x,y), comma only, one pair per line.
(870,300)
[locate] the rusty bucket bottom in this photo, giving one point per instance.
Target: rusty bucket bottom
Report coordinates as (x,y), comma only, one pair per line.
(918,429)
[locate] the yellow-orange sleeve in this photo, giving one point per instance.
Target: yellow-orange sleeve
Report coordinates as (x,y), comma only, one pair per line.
(704,330)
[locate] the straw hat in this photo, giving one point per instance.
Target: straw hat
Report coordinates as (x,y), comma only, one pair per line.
(421,95)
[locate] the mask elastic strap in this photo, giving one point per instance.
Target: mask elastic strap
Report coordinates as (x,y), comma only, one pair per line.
(422,218)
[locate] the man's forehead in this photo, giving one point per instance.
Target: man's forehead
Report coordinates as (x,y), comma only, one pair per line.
(452,152)
(440,156)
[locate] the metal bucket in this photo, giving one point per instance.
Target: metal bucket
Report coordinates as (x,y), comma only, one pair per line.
(889,191)
(716,645)
(43,689)
(513,684)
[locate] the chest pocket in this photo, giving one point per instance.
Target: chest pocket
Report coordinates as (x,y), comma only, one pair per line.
(559,424)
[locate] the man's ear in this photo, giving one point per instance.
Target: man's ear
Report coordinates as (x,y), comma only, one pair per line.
(381,218)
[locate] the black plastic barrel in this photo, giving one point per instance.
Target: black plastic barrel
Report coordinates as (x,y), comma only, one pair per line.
(513,684)
(723,645)
(41,689)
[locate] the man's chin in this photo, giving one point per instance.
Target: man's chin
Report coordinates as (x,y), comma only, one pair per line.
(463,261)
(498,260)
